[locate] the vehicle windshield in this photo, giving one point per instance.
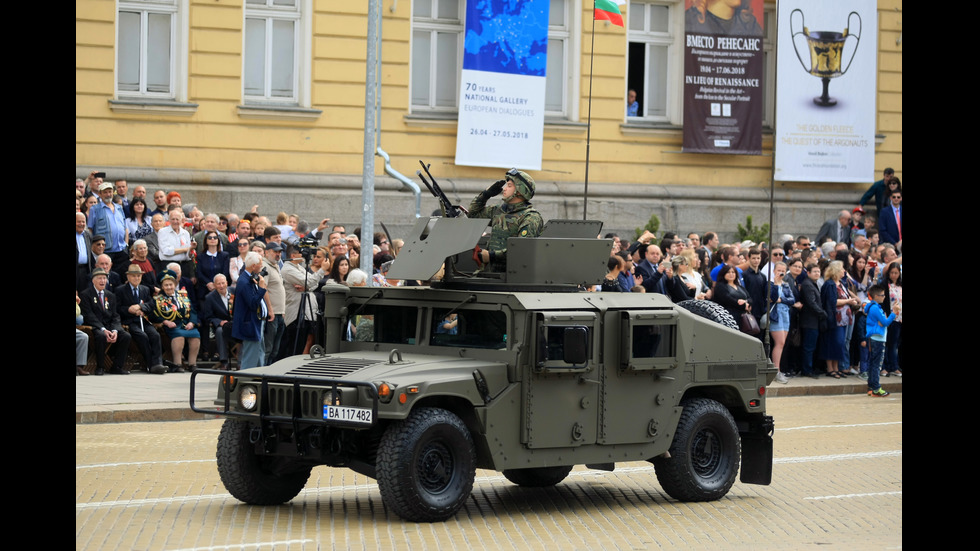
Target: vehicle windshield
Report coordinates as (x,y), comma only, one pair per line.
(384,324)
(469,328)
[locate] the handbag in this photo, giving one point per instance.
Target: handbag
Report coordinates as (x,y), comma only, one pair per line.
(794,339)
(748,325)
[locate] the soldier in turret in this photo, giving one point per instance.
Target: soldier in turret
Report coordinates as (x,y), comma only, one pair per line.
(514,218)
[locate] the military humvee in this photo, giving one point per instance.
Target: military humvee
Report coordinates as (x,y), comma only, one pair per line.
(520,372)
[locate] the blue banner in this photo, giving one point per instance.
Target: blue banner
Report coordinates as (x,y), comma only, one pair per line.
(502,88)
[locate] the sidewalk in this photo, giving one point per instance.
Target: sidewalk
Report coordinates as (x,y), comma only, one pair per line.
(145,397)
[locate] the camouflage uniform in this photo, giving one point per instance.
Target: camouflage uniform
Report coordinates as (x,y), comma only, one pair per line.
(506,220)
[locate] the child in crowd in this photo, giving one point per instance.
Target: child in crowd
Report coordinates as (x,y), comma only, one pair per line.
(876,332)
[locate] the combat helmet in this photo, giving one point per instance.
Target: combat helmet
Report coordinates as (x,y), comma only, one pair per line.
(523,182)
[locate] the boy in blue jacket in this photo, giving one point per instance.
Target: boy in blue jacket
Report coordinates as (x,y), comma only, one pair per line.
(876,332)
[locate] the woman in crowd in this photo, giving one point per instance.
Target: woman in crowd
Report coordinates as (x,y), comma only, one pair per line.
(321,260)
(610,284)
(179,319)
(837,303)
(812,316)
(730,294)
(138,222)
(692,275)
(214,261)
(859,279)
(139,252)
(237,264)
(339,269)
(354,255)
(893,277)
(89,203)
(779,316)
(790,360)
(682,289)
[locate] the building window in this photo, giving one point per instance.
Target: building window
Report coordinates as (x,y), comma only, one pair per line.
(437,54)
(655,62)
(147,59)
(275,61)
(562,75)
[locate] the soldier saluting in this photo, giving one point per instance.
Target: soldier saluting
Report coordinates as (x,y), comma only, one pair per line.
(514,218)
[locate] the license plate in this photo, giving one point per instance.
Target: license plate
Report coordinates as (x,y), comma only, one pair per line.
(351,415)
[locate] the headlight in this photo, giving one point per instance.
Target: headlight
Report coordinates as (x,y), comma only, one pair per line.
(247,398)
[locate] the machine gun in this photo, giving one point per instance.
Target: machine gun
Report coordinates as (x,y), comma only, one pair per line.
(449,210)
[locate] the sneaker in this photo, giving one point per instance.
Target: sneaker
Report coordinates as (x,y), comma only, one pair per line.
(782,378)
(863,375)
(853,371)
(880,393)
(897,373)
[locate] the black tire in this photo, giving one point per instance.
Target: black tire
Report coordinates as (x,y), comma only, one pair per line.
(538,477)
(256,479)
(426,465)
(710,310)
(704,455)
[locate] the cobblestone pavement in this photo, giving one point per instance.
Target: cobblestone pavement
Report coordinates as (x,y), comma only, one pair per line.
(837,482)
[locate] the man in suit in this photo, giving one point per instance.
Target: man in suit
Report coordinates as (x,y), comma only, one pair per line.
(890,223)
(838,231)
(217,312)
(652,269)
(83,253)
(132,296)
(251,311)
(99,310)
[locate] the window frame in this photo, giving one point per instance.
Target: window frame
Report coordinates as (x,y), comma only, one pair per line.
(434,25)
(178,11)
(545,321)
(570,35)
(673,40)
(301,14)
(630,321)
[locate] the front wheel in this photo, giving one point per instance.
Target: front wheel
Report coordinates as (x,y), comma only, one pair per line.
(704,455)
(256,479)
(426,465)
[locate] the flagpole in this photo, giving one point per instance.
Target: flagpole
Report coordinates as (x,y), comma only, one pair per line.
(588,125)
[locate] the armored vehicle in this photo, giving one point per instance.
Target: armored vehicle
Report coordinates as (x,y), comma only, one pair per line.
(521,372)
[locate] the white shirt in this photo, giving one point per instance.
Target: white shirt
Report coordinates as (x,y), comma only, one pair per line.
(169,241)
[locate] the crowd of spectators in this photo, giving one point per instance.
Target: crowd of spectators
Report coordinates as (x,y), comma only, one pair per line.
(811,297)
(183,264)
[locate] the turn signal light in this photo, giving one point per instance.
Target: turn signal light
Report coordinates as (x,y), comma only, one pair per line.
(385,392)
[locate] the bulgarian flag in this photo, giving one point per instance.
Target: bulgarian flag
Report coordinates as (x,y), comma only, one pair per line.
(608,10)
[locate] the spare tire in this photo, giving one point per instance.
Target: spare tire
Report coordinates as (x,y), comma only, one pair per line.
(710,310)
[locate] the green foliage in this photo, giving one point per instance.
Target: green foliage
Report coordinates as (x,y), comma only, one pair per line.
(756,235)
(652,226)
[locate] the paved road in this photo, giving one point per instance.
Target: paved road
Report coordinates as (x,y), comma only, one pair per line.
(837,482)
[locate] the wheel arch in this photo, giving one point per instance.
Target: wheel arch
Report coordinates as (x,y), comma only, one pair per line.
(726,395)
(466,411)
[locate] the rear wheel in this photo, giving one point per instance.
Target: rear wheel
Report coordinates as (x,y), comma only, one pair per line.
(704,455)
(256,479)
(537,477)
